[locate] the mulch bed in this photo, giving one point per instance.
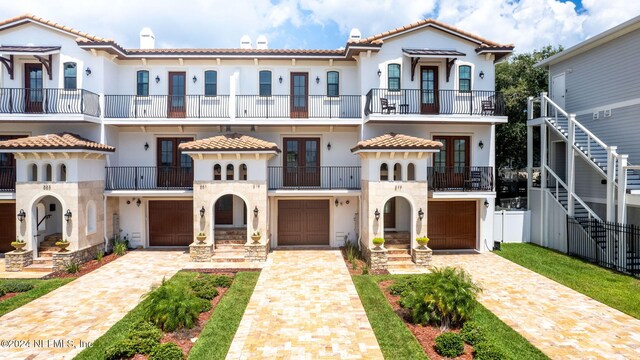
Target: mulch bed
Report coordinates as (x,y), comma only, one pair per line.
(7,296)
(85,268)
(360,264)
(425,335)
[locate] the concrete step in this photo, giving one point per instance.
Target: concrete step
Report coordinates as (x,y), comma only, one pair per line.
(400,264)
(397,246)
(227,257)
(401,251)
(51,249)
(398,257)
(43,261)
(230,241)
(38,268)
(235,247)
(47,253)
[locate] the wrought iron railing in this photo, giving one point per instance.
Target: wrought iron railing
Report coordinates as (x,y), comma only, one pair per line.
(7,179)
(166,106)
(149,178)
(291,106)
(435,102)
(460,178)
(314,177)
(49,101)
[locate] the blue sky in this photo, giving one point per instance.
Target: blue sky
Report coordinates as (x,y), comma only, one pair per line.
(325,24)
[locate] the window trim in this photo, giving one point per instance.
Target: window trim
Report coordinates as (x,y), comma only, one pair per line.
(389,77)
(337,84)
(65,77)
(138,83)
(215,84)
(260,83)
(459,79)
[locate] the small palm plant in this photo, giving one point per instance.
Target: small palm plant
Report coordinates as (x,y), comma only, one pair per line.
(172,307)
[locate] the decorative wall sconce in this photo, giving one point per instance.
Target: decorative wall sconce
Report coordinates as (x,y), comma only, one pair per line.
(481,74)
(377,215)
(146,146)
(67,215)
(88,71)
(138,202)
(486,203)
(379,72)
(280,79)
(420,214)
(202,211)
(481,144)
(317,79)
(21,215)
(255,211)
(337,202)
(194,79)
(157,79)
(329,146)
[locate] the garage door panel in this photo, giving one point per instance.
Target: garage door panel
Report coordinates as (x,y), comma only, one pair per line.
(303,222)
(452,225)
(170,223)
(8,226)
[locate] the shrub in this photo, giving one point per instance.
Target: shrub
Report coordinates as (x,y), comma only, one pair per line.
(145,330)
(205,291)
(472,333)
(377,241)
(119,248)
(205,286)
(449,344)
(404,285)
(171,307)
(14,287)
(123,349)
(365,269)
(445,297)
(167,351)
(487,351)
(352,252)
(72,267)
(99,255)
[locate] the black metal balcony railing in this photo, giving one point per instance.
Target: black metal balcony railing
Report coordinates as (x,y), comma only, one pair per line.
(149,178)
(314,177)
(166,106)
(7,179)
(292,106)
(49,101)
(438,102)
(460,178)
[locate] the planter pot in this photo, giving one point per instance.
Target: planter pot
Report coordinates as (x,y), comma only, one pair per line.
(18,246)
(201,239)
(423,245)
(63,246)
(255,238)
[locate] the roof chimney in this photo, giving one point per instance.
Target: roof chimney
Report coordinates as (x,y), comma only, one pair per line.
(147,39)
(245,42)
(355,35)
(262,43)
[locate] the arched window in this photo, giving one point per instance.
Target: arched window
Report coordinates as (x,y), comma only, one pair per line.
(397,172)
(230,172)
(41,211)
(143,83)
(217,172)
(265,83)
(62,172)
(243,172)
(48,173)
(384,172)
(393,77)
(33,174)
(464,78)
(91,217)
(70,76)
(333,84)
(411,172)
(210,83)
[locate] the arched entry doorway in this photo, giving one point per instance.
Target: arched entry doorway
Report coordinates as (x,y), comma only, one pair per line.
(46,224)
(230,220)
(397,223)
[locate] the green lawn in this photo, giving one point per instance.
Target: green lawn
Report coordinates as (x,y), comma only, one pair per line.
(614,289)
(397,342)
(230,307)
(41,287)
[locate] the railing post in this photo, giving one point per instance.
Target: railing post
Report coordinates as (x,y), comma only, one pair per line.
(611,178)
(81,101)
(571,164)
(471,102)
(136,177)
(543,104)
(530,108)
(529,159)
(543,178)
(622,188)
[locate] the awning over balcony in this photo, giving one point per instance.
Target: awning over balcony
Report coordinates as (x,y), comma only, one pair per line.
(43,54)
(449,55)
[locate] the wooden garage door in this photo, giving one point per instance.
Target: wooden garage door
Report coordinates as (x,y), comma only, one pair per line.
(170,223)
(8,225)
(452,225)
(303,222)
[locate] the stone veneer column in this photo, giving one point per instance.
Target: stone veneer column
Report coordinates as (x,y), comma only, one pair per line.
(376,258)
(256,252)
(200,252)
(421,256)
(18,260)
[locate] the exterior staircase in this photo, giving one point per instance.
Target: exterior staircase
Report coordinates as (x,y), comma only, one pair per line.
(229,244)
(46,249)
(398,248)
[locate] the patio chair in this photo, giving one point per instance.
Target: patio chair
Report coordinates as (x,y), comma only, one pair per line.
(384,103)
(488,106)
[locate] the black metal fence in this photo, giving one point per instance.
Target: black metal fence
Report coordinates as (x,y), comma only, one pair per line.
(314,177)
(49,101)
(612,245)
(166,106)
(149,178)
(291,106)
(460,178)
(447,102)
(7,178)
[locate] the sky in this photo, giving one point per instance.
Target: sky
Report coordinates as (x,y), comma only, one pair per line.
(325,24)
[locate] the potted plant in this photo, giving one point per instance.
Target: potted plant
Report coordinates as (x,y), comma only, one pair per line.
(422,241)
(201,237)
(256,237)
(63,244)
(18,244)
(378,241)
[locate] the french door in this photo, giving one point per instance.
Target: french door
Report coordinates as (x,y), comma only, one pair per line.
(451,164)
(34,92)
(302,162)
(429,96)
(299,95)
(177,95)
(175,170)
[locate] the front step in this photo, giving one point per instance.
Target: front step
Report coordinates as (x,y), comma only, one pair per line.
(230,242)
(400,265)
(399,257)
(228,257)
(43,261)
(38,268)
(47,253)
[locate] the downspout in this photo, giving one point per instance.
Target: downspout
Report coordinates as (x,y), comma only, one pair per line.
(359,221)
(104,222)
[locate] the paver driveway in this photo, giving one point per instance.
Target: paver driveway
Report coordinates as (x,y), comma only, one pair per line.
(561,322)
(86,308)
(305,306)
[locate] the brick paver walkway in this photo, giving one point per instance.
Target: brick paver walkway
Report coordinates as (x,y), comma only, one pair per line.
(561,322)
(305,306)
(86,308)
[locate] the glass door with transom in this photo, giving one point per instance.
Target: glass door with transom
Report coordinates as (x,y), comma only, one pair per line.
(174,170)
(299,95)
(34,93)
(429,95)
(177,94)
(451,164)
(302,162)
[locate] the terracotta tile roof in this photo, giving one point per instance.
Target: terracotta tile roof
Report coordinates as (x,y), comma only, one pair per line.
(380,37)
(62,141)
(234,52)
(19,20)
(229,142)
(394,141)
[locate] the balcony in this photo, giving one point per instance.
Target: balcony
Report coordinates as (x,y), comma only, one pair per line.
(438,102)
(314,178)
(49,101)
(286,106)
(460,178)
(7,179)
(149,178)
(166,106)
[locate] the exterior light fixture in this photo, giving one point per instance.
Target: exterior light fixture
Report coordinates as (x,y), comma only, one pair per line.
(21,215)
(157,79)
(146,146)
(280,79)
(67,215)
(377,214)
(194,79)
(255,211)
(317,79)
(379,72)
(88,71)
(486,203)
(138,202)
(329,146)
(202,211)
(420,214)
(481,144)
(481,74)
(337,202)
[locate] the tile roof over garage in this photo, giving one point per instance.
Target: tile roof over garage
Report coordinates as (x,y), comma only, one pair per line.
(61,141)
(394,141)
(229,142)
